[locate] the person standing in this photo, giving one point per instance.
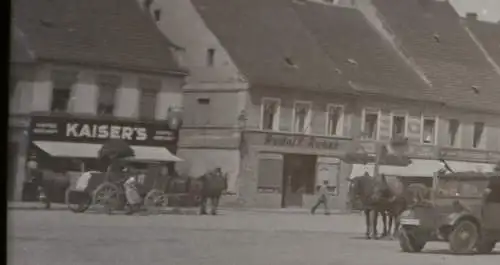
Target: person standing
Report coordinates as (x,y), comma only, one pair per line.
(37,179)
(322,198)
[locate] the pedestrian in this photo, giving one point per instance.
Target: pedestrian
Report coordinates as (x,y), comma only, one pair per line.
(322,198)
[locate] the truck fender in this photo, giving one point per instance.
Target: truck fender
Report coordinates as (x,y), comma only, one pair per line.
(454,218)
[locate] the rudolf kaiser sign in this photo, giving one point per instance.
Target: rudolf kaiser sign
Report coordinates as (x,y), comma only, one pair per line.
(72,129)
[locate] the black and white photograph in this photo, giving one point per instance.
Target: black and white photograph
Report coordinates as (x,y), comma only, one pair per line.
(253,132)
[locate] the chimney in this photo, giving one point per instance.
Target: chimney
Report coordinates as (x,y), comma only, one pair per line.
(471,16)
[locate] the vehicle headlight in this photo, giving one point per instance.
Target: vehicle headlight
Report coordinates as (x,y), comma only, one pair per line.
(407,214)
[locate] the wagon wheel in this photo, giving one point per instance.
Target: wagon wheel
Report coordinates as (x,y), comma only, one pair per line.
(79,207)
(155,198)
(109,196)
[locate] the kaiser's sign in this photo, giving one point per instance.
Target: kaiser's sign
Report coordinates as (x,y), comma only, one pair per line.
(106,131)
(53,128)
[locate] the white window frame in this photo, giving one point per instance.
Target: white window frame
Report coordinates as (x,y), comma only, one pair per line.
(436,128)
(458,139)
(340,130)
(363,121)
(276,121)
(399,114)
(308,120)
(484,137)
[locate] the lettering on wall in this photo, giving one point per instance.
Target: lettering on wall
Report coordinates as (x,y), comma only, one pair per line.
(73,129)
(106,131)
(301,141)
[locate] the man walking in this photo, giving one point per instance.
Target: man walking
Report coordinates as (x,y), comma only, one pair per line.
(322,198)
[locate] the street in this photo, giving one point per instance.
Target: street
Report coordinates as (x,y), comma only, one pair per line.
(40,237)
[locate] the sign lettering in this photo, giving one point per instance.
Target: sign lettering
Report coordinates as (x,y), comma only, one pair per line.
(301,141)
(97,130)
(106,132)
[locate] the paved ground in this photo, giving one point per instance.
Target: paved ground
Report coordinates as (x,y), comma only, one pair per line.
(232,238)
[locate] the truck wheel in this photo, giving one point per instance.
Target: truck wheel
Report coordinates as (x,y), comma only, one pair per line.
(485,247)
(464,237)
(408,242)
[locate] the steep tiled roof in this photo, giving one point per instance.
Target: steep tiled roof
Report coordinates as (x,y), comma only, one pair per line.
(113,33)
(431,33)
(489,36)
(270,45)
(19,50)
(362,55)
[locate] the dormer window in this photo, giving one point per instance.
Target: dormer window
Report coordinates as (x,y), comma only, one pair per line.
(157,15)
(210,57)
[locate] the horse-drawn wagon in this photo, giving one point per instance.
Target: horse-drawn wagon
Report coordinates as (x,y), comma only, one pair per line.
(122,187)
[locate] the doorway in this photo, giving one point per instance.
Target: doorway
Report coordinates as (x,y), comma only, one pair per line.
(299,172)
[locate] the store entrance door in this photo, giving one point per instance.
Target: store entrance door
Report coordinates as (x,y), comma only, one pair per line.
(298,178)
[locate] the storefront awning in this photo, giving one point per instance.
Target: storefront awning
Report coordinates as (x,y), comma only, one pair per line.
(68,149)
(87,150)
(421,168)
(153,153)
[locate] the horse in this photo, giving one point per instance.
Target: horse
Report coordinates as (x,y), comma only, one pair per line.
(213,184)
(208,187)
(378,196)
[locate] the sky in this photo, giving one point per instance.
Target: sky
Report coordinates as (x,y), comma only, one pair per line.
(488,10)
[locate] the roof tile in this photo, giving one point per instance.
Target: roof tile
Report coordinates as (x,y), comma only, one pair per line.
(113,33)
(432,34)
(262,35)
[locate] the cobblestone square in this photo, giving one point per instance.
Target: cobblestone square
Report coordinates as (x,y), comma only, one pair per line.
(231,238)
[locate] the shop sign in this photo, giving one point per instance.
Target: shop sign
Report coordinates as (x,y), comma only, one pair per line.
(301,141)
(72,129)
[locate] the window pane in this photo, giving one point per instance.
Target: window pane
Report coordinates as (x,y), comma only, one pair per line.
(147,104)
(478,134)
(106,103)
(453,127)
(60,99)
(398,126)
(333,126)
(429,131)
(270,115)
(371,124)
(301,112)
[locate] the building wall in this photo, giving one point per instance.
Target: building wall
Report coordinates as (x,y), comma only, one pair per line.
(288,97)
(195,38)
(34,91)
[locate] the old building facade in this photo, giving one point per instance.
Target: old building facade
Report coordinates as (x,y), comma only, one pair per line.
(91,66)
(282,90)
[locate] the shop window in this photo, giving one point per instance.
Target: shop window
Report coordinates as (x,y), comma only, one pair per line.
(429,130)
(270,172)
(108,85)
(301,117)
(398,125)
(331,173)
(478,140)
(453,130)
(147,102)
(270,114)
(370,124)
(334,119)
